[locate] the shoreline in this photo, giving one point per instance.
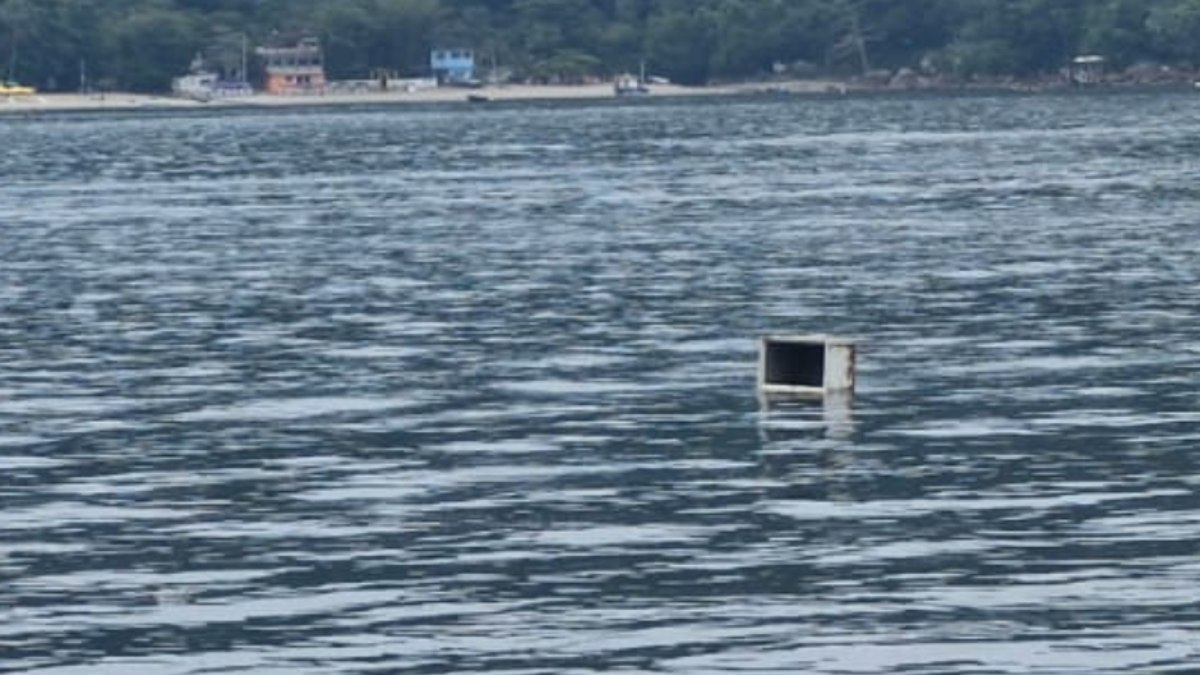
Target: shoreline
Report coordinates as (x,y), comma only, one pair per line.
(129,102)
(119,101)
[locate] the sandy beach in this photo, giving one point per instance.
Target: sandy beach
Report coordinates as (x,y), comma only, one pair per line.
(127,102)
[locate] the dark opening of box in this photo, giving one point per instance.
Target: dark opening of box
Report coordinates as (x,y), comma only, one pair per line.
(795,364)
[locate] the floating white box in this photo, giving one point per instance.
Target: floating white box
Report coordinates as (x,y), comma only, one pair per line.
(805,365)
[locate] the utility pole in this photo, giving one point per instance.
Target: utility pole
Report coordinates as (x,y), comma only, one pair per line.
(12,58)
(861,43)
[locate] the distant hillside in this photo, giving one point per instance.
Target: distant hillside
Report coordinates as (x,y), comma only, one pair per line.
(141,44)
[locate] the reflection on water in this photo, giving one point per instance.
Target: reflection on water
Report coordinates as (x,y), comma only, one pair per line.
(832,413)
(448,390)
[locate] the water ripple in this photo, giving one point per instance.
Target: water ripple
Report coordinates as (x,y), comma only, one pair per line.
(450,389)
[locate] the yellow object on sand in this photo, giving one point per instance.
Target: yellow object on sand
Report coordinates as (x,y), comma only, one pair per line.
(14,89)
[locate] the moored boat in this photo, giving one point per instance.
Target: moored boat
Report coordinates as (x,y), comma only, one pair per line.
(630,86)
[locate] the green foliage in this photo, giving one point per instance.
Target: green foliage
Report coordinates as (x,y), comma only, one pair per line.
(681,44)
(142,44)
(147,47)
(1175,25)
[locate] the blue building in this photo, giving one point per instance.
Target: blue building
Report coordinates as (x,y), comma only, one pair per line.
(453,66)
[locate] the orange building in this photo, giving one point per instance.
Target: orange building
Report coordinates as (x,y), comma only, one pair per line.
(294,70)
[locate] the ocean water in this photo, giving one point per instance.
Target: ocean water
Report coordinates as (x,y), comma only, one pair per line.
(470,389)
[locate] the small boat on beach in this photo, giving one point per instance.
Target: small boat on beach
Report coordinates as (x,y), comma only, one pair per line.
(628,85)
(478,98)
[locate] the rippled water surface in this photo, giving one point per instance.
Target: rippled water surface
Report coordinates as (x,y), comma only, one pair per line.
(471,389)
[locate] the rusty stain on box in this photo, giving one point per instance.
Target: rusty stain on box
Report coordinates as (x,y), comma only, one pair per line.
(806,365)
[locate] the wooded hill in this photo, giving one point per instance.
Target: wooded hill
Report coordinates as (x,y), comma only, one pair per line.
(141,44)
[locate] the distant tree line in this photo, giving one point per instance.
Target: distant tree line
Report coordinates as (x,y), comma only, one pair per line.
(61,45)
